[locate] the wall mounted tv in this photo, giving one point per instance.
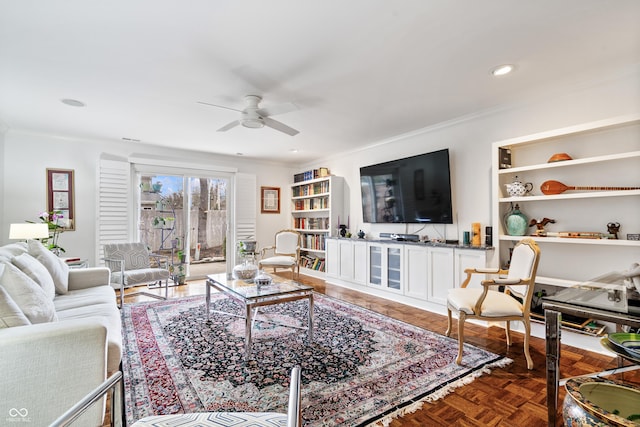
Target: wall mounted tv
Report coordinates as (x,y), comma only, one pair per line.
(415,189)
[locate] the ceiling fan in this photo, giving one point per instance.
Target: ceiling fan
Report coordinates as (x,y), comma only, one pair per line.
(255,117)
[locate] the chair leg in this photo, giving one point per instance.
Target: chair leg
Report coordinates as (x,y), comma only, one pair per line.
(527,332)
(461,319)
(508,330)
(449,321)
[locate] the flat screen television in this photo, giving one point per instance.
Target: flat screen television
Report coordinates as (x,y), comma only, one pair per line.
(414,189)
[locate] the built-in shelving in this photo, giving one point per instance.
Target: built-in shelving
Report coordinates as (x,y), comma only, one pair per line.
(316,206)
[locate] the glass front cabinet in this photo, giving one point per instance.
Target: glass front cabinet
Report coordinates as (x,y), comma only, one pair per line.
(385,266)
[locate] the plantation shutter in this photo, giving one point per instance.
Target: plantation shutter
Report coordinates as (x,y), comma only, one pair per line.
(114,184)
(245,212)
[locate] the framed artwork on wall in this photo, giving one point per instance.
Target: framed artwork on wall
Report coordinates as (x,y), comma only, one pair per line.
(60,196)
(269,199)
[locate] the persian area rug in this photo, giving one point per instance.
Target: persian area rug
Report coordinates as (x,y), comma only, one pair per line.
(361,368)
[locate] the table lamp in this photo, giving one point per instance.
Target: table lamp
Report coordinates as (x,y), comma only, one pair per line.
(25,231)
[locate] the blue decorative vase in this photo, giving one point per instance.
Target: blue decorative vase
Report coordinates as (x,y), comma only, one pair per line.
(516,223)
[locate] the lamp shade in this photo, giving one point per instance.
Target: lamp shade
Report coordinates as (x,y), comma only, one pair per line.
(26,231)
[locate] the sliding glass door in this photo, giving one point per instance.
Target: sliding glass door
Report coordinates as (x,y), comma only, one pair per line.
(185,217)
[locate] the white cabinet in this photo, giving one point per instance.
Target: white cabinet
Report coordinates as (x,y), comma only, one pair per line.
(417,274)
(316,205)
(416,261)
(347,260)
(441,277)
(384,263)
(605,156)
(332,260)
(469,258)
(360,262)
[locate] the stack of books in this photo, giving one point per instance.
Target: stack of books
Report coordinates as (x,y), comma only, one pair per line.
(311,174)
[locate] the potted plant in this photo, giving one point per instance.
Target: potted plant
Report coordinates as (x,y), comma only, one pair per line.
(158,222)
(180,276)
(168,222)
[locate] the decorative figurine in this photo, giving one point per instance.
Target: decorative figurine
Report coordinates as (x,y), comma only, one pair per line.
(360,234)
(540,225)
(613,228)
(342,230)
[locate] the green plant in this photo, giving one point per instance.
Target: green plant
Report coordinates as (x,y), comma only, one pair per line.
(52,220)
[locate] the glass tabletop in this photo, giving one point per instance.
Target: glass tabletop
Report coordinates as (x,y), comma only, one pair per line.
(248,290)
(607,292)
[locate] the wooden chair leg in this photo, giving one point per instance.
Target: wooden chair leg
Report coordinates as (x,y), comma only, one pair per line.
(461,319)
(527,332)
(448,332)
(508,330)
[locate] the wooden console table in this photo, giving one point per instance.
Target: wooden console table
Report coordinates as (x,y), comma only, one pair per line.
(552,320)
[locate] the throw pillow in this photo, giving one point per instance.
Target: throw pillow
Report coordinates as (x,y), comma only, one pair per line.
(58,269)
(27,295)
(10,313)
(36,271)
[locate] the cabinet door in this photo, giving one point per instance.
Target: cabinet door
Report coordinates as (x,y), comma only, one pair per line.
(374,263)
(346,259)
(416,269)
(360,262)
(469,258)
(394,267)
(332,260)
(441,277)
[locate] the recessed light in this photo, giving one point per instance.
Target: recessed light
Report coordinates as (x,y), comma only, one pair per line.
(130,139)
(72,102)
(294,150)
(501,70)
(239,154)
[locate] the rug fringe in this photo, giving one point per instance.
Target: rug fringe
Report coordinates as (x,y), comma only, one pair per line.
(442,392)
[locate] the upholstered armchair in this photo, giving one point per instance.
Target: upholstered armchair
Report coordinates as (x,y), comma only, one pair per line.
(286,252)
(130,265)
(504,298)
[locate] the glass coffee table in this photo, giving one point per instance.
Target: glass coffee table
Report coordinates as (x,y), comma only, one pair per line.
(279,291)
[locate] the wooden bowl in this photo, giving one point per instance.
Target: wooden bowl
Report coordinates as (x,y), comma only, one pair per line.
(559,157)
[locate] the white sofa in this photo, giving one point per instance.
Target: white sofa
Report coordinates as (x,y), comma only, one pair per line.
(60,334)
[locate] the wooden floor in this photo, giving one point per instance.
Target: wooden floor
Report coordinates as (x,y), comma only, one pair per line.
(511,396)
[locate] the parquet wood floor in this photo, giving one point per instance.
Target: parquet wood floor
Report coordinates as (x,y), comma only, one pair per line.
(508,397)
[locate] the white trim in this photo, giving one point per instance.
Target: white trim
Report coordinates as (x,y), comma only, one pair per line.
(141,159)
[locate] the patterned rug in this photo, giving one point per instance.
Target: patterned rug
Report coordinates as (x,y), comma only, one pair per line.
(362,367)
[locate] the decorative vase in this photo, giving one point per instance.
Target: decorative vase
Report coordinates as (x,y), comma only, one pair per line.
(600,402)
(516,222)
(342,229)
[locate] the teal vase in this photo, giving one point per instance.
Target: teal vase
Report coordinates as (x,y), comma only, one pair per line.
(516,223)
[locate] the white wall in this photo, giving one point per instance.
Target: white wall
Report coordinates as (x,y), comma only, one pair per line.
(26,156)
(469,141)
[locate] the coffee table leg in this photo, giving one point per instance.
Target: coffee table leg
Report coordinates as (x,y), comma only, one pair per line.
(310,331)
(247,340)
(207,300)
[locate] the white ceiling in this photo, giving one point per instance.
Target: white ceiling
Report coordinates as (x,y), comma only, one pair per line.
(360,71)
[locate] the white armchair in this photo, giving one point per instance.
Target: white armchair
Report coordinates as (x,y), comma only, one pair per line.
(286,252)
(490,304)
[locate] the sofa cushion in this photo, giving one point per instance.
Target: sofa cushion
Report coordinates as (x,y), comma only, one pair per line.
(13,249)
(58,269)
(85,297)
(10,313)
(26,293)
(108,314)
(36,271)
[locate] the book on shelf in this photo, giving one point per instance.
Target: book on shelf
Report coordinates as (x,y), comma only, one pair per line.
(311,174)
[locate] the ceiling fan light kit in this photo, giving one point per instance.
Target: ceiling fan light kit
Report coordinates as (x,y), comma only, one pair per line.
(254,117)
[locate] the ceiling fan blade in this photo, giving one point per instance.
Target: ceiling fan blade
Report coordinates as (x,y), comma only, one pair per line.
(280,126)
(278,109)
(229,126)
(219,106)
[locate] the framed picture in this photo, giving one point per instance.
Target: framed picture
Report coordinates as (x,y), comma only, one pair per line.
(269,199)
(60,196)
